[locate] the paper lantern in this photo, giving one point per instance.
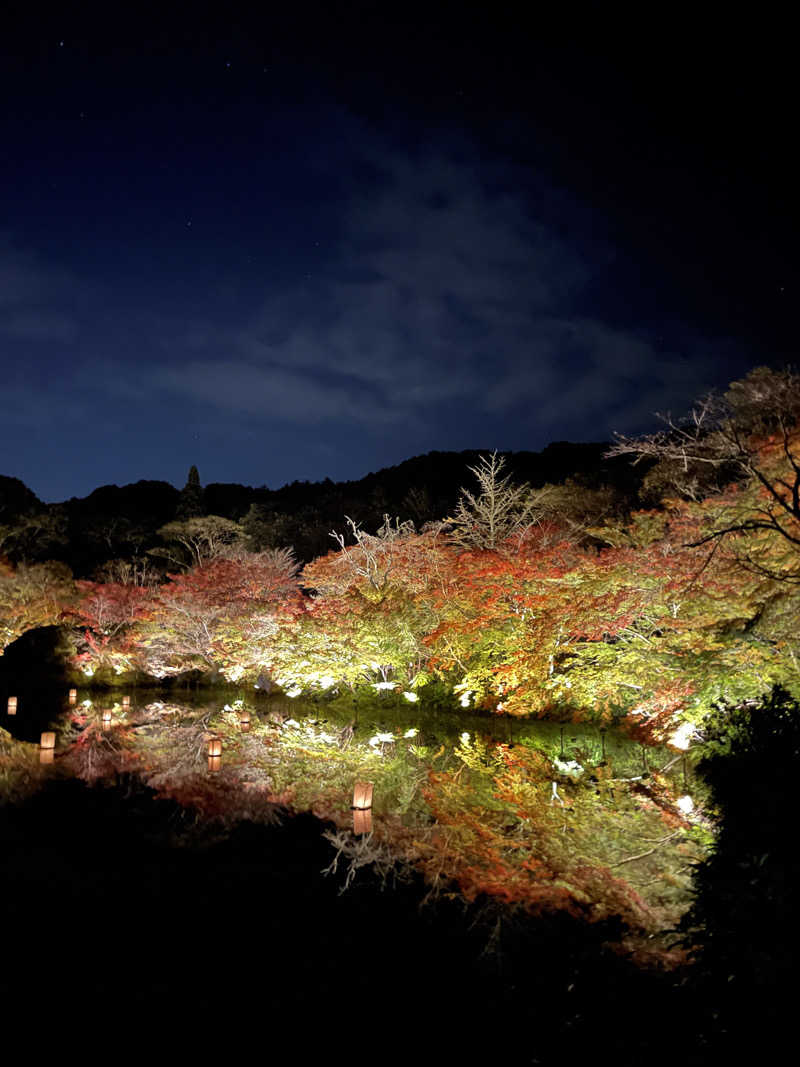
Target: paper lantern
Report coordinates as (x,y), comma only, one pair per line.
(46,755)
(126,702)
(12,705)
(73,696)
(214,763)
(362,821)
(244,718)
(362,796)
(106,720)
(215,746)
(48,740)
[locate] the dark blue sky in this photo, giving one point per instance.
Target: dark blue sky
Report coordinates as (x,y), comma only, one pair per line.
(297,249)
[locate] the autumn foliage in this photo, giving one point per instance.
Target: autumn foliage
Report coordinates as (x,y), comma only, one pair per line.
(516,605)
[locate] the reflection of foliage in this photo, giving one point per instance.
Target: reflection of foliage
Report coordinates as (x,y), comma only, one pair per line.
(603,851)
(365,851)
(20,772)
(472,813)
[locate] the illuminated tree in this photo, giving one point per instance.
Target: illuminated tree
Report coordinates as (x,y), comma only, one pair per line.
(370,613)
(193,542)
(499,510)
(220,616)
(31,596)
(106,613)
(751,432)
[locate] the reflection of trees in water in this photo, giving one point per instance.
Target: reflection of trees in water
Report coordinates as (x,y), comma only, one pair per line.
(466,812)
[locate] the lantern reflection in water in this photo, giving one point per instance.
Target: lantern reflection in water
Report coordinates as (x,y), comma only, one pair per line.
(214,763)
(362,796)
(362,821)
(12,705)
(215,746)
(73,696)
(46,755)
(126,702)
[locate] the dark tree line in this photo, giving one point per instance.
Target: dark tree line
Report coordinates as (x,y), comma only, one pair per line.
(116,523)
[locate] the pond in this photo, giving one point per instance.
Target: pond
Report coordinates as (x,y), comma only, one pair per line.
(521,873)
(539,816)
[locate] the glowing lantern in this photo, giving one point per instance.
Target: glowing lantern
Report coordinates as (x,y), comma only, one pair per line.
(106,719)
(362,821)
(126,702)
(46,755)
(244,717)
(48,741)
(12,705)
(215,746)
(73,696)
(362,796)
(214,763)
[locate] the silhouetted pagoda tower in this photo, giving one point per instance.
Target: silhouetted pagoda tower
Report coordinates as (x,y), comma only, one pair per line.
(191,503)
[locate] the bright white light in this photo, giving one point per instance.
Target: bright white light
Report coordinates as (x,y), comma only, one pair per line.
(464,701)
(465,738)
(412,732)
(87,670)
(295,691)
(412,698)
(682,736)
(381,739)
(327,682)
(685,804)
(291,724)
(571,768)
(384,685)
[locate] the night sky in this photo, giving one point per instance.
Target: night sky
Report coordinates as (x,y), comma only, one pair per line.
(317,244)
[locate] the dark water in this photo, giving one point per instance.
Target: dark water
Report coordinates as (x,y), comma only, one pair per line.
(104,919)
(122,935)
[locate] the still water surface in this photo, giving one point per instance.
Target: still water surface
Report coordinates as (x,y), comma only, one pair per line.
(534,814)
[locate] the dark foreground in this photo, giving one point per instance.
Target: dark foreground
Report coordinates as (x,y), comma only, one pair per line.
(112,933)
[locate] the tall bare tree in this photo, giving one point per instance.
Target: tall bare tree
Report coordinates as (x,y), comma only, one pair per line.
(496,512)
(750,433)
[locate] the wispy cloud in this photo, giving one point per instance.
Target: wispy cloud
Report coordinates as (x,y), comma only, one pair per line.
(449,311)
(446,289)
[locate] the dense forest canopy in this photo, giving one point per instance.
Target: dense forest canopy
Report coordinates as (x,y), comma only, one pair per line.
(567,583)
